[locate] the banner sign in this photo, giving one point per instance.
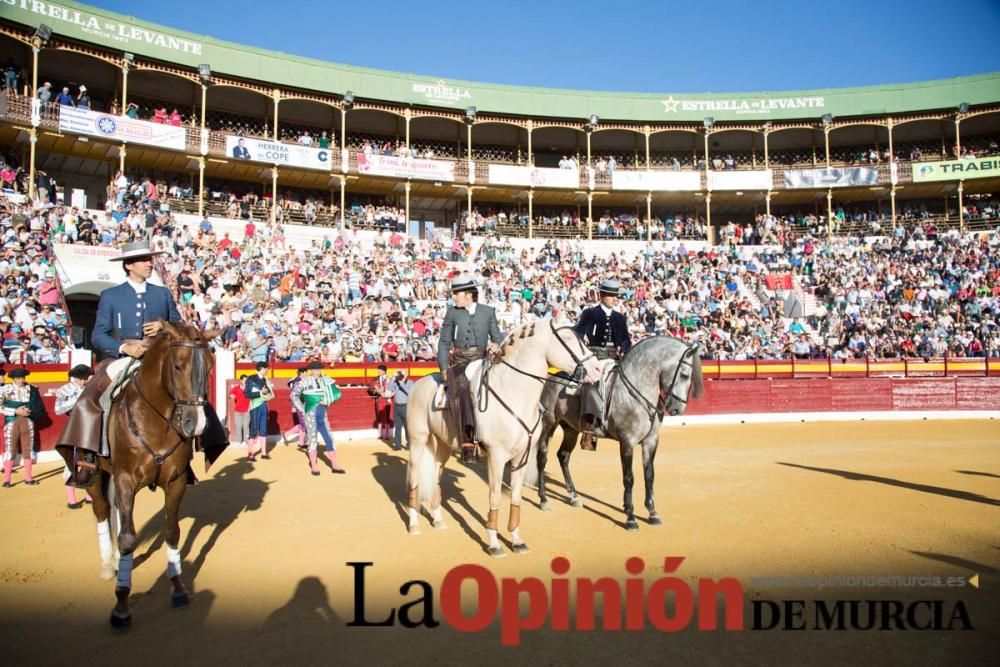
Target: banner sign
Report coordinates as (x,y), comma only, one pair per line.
(740,180)
(101,29)
(539,177)
(656,181)
(121,128)
(275,152)
(406,167)
(756,106)
(830,178)
(956,170)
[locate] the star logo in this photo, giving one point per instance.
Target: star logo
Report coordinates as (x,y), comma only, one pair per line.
(670,105)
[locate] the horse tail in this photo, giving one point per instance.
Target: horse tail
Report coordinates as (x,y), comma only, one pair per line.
(426,475)
(697,379)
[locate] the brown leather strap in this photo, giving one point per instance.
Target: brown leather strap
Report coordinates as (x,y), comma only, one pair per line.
(491,519)
(414,500)
(515,518)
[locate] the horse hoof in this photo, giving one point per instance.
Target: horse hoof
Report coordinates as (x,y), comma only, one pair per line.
(496,552)
(413,530)
(576,502)
(439,525)
(520,548)
(544,506)
(120,621)
(180,600)
(632,526)
(655,520)
(107,572)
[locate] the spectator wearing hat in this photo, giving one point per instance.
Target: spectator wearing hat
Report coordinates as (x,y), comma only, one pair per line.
(260,391)
(22,405)
(379,390)
(66,397)
(469,331)
(605,331)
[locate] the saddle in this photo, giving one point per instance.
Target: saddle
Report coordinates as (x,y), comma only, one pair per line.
(459,399)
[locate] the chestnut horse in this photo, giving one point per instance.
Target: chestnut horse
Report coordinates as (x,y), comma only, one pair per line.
(151,427)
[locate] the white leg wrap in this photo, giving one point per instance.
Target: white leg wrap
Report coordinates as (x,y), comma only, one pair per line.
(414,516)
(173,562)
(492,536)
(515,536)
(436,515)
(104,541)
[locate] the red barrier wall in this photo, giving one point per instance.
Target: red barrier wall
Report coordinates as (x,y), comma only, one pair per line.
(356,409)
(848,395)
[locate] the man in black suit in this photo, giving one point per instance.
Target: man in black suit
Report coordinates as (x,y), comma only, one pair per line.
(605,331)
(240,150)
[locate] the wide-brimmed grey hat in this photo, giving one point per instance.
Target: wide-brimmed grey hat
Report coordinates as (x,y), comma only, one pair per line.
(610,287)
(135,250)
(463,284)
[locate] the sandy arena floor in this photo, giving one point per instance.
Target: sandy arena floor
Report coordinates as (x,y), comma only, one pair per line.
(265,547)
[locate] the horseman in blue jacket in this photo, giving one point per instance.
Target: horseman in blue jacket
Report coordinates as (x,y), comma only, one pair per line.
(605,331)
(128,320)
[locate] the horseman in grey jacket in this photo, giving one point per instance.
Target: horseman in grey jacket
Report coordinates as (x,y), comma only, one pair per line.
(469,332)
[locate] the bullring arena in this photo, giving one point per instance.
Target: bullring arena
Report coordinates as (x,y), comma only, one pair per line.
(833,256)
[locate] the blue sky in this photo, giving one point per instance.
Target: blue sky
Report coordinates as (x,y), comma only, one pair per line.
(623,45)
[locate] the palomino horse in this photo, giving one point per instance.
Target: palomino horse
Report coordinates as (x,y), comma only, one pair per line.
(151,427)
(508,418)
(655,377)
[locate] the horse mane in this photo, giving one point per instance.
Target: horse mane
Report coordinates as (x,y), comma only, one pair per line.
(524,331)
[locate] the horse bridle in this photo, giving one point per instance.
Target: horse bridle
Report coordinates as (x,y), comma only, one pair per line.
(199,402)
(655,412)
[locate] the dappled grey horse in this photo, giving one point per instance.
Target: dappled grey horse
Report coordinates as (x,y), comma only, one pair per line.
(655,378)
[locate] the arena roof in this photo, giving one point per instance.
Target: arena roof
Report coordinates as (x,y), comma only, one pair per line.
(98,26)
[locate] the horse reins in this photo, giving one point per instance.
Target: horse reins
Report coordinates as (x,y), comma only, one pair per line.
(200,380)
(484,383)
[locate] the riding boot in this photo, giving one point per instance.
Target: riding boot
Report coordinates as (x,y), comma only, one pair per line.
(191,479)
(331,456)
(312,462)
(8,471)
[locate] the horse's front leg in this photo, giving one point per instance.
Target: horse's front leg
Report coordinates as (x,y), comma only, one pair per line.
(172,536)
(628,480)
(121,616)
(570,437)
(495,465)
(648,457)
(514,522)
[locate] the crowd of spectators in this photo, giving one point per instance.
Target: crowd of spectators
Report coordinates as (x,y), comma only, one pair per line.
(33,323)
(913,292)
(383,299)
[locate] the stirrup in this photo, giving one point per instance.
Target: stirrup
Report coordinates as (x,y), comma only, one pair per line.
(470,452)
(588,441)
